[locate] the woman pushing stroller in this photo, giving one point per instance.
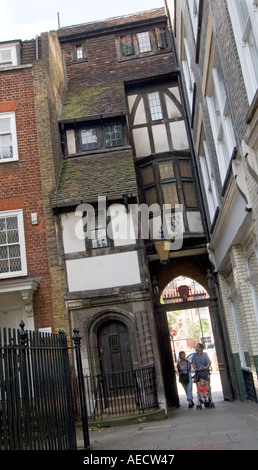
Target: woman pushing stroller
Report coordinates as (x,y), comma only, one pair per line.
(201,364)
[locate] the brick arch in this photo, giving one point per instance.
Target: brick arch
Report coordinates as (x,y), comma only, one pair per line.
(193,267)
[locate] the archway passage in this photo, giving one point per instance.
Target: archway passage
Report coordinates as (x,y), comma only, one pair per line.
(187,313)
(190,326)
(199,269)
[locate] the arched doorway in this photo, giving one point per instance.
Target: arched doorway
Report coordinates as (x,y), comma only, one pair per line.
(199,269)
(114,347)
(191,324)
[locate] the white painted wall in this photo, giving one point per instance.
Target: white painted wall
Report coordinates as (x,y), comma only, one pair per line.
(73,239)
(70,137)
(179,135)
(194,221)
(141,142)
(12,312)
(102,272)
(160,138)
(122,228)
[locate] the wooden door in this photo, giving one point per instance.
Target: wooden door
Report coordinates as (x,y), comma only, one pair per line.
(114,347)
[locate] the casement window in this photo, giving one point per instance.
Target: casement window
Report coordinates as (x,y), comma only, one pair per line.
(8,138)
(9,55)
(142,43)
(99,237)
(96,230)
(79,51)
(127,45)
(113,135)
(188,72)
(221,124)
(90,138)
(244,17)
(169,182)
(155,106)
(208,177)
(162,38)
(194,14)
(12,245)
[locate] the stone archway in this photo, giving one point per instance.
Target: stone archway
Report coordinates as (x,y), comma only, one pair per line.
(96,322)
(198,268)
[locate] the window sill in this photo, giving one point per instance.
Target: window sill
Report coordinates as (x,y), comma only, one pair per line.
(8,160)
(13,275)
(12,68)
(80,61)
(144,55)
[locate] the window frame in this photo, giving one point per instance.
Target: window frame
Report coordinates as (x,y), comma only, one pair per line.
(208,175)
(144,42)
(221,124)
(176,179)
(15,55)
(87,129)
(194,7)
(188,72)
(19,214)
(75,48)
(96,222)
(158,45)
(100,133)
(13,132)
(244,48)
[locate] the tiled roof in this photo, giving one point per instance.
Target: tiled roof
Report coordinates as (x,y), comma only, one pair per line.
(109,23)
(87,177)
(92,100)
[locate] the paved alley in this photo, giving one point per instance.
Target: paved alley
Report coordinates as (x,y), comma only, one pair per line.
(230,426)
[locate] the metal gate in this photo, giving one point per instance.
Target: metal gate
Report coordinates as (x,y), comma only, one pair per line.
(36,411)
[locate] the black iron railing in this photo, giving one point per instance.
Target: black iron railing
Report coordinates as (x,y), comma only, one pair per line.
(119,393)
(36,411)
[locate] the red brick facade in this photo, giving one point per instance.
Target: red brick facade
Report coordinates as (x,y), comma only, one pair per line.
(21,187)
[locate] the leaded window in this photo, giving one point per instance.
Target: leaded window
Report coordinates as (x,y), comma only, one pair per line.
(155,106)
(113,135)
(89,139)
(144,42)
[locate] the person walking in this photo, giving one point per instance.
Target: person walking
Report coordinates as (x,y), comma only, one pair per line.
(185,378)
(201,362)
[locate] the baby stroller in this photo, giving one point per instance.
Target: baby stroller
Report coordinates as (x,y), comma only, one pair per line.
(207,402)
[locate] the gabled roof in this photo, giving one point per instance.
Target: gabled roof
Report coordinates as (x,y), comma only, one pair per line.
(84,178)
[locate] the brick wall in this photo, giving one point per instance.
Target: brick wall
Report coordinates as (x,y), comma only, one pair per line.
(21,187)
(103,65)
(49,82)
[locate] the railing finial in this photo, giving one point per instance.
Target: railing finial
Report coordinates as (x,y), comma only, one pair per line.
(23,334)
(76,337)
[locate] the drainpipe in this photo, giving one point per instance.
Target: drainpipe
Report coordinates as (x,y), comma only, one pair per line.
(37,46)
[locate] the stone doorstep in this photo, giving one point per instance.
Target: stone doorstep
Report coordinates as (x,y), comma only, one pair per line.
(118,420)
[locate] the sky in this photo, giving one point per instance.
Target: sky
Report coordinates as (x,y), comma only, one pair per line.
(24,19)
